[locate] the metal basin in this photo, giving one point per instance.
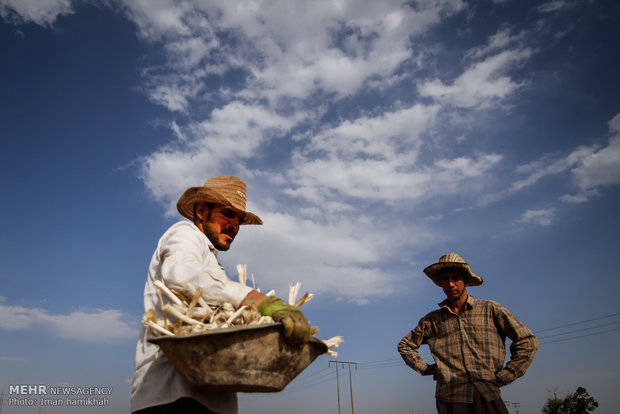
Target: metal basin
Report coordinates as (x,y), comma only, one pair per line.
(239,359)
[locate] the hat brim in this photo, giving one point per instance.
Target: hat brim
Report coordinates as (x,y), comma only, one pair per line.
(193,195)
(471,280)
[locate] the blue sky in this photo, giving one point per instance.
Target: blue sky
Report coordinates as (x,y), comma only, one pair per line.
(374,136)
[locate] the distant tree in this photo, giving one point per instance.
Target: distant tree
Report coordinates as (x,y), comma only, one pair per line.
(579,402)
(553,406)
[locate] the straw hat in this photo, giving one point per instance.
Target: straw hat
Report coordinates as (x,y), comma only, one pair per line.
(452,260)
(226,190)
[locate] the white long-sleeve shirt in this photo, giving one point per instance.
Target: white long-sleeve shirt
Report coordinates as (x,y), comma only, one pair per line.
(184,254)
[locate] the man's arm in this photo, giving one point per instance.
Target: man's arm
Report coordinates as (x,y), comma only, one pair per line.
(523,348)
(408,350)
(182,253)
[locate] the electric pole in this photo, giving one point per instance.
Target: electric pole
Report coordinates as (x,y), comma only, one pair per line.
(337,383)
(350,381)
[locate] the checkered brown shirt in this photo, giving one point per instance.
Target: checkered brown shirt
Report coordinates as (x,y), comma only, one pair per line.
(469,350)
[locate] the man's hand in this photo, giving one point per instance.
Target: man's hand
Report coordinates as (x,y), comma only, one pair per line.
(431,370)
(296,327)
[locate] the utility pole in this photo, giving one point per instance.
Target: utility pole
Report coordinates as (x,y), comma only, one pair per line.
(350,382)
(337,383)
(351,385)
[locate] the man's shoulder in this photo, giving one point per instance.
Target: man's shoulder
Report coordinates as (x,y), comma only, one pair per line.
(181,230)
(433,315)
(486,303)
(182,225)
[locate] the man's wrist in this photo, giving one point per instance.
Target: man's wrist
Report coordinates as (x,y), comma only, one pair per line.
(253,299)
(500,379)
(429,370)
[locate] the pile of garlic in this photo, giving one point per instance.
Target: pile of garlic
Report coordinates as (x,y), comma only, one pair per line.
(183,315)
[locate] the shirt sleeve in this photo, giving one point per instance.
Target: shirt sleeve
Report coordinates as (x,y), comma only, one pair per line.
(408,347)
(186,257)
(523,348)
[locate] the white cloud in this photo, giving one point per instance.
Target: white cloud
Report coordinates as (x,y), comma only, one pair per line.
(234,132)
(543,217)
(480,85)
(43,12)
(602,167)
(554,6)
(12,359)
(94,325)
(173,96)
(596,167)
(343,255)
(546,166)
(377,159)
(590,168)
(291,49)
(502,39)
(386,180)
(578,198)
(383,136)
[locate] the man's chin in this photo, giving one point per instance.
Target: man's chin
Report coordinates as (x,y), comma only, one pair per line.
(221,246)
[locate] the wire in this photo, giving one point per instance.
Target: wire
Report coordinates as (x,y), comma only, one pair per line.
(310,376)
(296,387)
(580,330)
(581,336)
(578,323)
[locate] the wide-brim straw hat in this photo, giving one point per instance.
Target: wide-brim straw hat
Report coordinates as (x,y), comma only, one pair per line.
(452,260)
(226,190)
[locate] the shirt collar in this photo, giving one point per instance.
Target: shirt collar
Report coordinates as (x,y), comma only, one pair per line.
(469,302)
(213,249)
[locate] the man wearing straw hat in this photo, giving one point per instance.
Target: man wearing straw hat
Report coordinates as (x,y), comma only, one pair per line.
(187,252)
(466,338)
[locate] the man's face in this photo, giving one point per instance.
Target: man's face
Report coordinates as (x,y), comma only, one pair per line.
(453,284)
(220,224)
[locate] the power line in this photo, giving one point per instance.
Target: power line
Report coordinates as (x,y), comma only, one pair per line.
(580,330)
(578,323)
(310,377)
(581,336)
(301,385)
(395,363)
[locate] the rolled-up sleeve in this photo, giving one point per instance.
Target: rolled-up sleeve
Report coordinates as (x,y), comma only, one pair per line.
(523,348)
(408,347)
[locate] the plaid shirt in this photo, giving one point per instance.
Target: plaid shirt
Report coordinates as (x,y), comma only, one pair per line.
(469,349)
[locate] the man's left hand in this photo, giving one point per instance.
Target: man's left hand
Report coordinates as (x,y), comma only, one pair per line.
(296,326)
